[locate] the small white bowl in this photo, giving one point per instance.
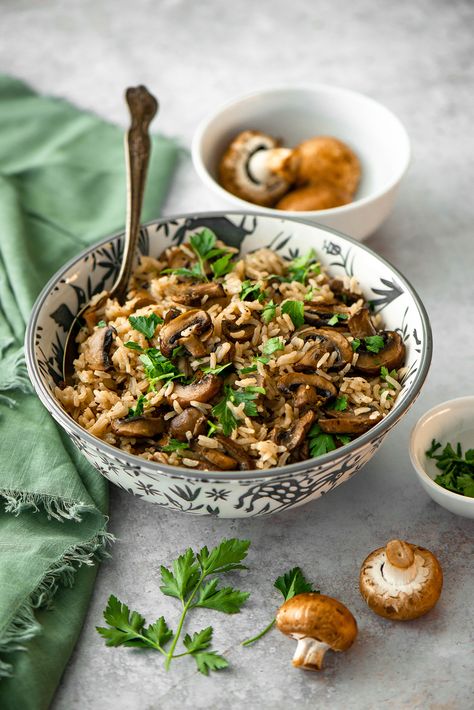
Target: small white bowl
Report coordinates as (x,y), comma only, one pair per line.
(451,421)
(297,113)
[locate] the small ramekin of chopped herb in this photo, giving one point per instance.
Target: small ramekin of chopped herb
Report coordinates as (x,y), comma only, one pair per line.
(442,453)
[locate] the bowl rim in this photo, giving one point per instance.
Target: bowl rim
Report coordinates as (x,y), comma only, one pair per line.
(415,460)
(61,416)
(205,175)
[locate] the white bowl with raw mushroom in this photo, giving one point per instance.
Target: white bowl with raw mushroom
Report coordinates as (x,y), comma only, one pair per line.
(256,386)
(322,153)
(442,454)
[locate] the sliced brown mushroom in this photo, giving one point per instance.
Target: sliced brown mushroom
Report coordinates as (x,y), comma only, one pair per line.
(326,341)
(143,298)
(219,460)
(360,324)
(391,356)
(237,452)
(201,390)
(237,333)
(320,314)
(189,329)
(342,293)
(138,427)
(322,388)
(254,168)
(192,294)
(97,350)
(348,422)
(295,435)
(191,419)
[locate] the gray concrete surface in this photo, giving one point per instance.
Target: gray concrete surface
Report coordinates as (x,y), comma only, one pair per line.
(416,57)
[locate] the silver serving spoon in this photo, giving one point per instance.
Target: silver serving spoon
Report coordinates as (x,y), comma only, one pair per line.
(143,107)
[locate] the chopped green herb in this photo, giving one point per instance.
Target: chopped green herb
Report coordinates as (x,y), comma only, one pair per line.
(213,428)
(158,367)
(251,291)
(384,373)
(194,272)
(268,312)
(355,344)
(203,242)
(319,442)
(310,293)
(132,345)
(272,345)
(146,325)
(340,404)
(337,317)
(216,370)
(222,412)
(295,310)
(457,470)
(101,324)
(289,584)
(188,582)
(175,445)
(303,267)
(222,266)
(374,343)
(138,410)
(343,438)
(247,370)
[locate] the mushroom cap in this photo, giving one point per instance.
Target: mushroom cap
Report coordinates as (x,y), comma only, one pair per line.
(401,602)
(319,617)
(392,355)
(329,159)
(189,328)
(320,196)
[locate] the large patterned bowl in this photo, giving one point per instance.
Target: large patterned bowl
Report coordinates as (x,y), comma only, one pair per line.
(229,494)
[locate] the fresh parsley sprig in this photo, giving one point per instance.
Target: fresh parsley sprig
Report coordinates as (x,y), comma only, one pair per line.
(203,244)
(251,291)
(187,580)
(137,411)
(146,325)
(158,367)
(303,267)
(337,317)
(295,310)
(457,470)
(289,584)
(373,343)
(321,443)
(225,416)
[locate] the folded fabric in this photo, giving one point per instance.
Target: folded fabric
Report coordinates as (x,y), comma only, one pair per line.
(62,187)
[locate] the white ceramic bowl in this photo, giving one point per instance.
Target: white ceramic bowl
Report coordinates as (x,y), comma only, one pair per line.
(451,421)
(295,114)
(230,494)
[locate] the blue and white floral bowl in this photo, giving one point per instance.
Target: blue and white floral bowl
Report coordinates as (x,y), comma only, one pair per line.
(230,494)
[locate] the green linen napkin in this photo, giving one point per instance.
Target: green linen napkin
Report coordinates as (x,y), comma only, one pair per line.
(62,187)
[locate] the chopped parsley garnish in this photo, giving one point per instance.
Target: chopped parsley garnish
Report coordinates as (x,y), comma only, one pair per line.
(222,266)
(101,324)
(337,317)
(216,370)
(132,345)
(146,325)
(272,345)
(340,404)
(158,367)
(289,584)
(321,443)
(223,413)
(261,358)
(137,411)
(457,470)
(175,445)
(295,310)
(374,343)
(355,344)
(303,267)
(246,370)
(384,373)
(251,291)
(203,244)
(213,428)
(268,312)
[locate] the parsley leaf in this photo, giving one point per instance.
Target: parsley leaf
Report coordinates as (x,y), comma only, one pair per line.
(303,267)
(194,272)
(222,266)
(203,242)
(355,344)
(175,445)
(251,291)
(158,367)
(319,442)
(340,404)
(337,317)
(374,343)
(132,345)
(289,584)
(272,345)
(101,324)
(384,373)
(268,312)
(138,410)
(217,370)
(186,581)
(222,412)
(457,470)
(146,325)
(295,310)
(246,370)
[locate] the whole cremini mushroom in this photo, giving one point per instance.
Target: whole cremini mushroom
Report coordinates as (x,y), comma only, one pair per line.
(317,622)
(401,581)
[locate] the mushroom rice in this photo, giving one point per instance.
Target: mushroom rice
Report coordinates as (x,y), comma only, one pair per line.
(223,362)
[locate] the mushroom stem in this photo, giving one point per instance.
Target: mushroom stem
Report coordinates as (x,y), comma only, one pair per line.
(309,653)
(263,165)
